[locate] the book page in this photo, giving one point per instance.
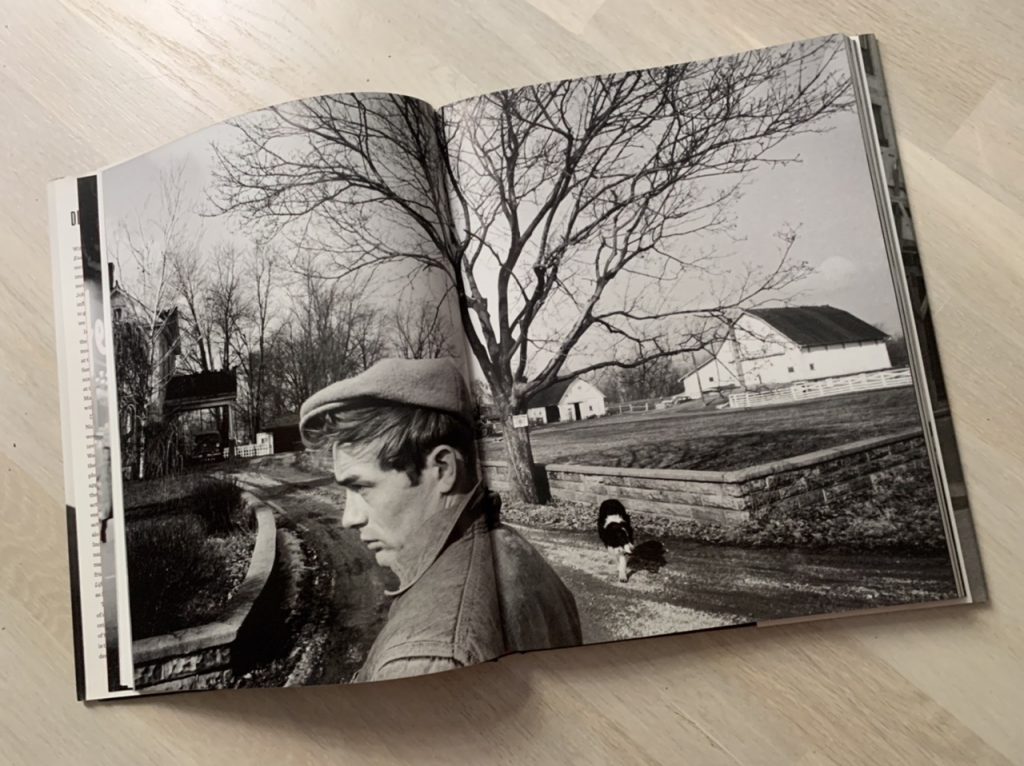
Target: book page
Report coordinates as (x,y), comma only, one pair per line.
(701,402)
(93,544)
(912,296)
(248,268)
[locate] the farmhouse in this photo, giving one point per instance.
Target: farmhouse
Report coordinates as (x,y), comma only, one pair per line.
(573,399)
(776,346)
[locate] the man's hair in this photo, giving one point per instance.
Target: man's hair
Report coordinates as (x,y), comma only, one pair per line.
(404,434)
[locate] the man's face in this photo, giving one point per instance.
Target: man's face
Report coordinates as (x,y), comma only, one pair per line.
(383,504)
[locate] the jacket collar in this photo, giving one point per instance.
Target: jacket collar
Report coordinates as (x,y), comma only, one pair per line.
(441,529)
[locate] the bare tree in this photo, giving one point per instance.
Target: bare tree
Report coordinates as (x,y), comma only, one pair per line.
(364,167)
(226,300)
(132,356)
(210,288)
(651,378)
(420,334)
(191,285)
(369,337)
(145,250)
(255,330)
(212,291)
(330,333)
(564,213)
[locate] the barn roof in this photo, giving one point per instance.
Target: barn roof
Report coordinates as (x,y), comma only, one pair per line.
(818,325)
(550,396)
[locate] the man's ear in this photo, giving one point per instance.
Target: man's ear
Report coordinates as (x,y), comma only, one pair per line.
(446,463)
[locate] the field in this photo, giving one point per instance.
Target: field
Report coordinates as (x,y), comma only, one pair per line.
(707,439)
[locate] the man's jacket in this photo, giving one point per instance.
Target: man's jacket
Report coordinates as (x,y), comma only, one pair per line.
(487,593)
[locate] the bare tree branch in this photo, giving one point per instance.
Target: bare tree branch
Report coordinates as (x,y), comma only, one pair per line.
(563,213)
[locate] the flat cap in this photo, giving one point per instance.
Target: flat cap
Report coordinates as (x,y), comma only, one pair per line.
(436,384)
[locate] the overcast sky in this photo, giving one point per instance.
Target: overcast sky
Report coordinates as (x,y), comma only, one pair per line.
(131,194)
(827,196)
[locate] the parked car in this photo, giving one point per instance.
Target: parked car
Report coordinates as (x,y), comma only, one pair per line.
(672,401)
(207,447)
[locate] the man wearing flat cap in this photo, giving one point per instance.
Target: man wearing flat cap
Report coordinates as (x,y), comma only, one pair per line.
(469,588)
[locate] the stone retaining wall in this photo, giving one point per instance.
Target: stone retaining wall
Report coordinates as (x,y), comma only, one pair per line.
(201,657)
(852,471)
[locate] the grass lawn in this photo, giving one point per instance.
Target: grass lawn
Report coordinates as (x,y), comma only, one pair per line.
(179,576)
(189,540)
(707,439)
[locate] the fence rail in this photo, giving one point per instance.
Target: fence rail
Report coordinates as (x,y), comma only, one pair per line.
(820,388)
(639,405)
(251,450)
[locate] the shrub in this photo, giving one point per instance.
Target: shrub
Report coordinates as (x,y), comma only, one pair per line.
(187,552)
(168,559)
(217,501)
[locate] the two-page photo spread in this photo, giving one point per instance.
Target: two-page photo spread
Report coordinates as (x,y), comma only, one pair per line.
(381,389)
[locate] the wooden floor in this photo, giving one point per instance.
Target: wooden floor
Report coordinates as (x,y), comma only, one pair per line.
(85,83)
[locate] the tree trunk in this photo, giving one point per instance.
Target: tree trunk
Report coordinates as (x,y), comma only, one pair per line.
(142,453)
(522,474)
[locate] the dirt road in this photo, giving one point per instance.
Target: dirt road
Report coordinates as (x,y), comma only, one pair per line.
(355,605)
(705,586)
(699,585)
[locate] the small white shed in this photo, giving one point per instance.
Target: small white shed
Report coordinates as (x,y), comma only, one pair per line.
(568,400)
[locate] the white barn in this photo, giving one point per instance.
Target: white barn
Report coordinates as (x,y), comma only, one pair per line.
(777,346)
(569,400)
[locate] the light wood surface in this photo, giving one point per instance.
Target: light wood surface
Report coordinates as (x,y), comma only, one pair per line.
(84,83)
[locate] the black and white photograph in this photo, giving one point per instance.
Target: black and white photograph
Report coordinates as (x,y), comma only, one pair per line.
(516,382)
(404,389)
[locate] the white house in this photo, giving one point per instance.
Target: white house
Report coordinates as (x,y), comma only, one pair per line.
(569,400)
(777,346)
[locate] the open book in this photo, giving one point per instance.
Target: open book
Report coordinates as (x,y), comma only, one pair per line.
(357,388)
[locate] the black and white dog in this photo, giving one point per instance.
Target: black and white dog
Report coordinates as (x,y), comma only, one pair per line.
(616,532)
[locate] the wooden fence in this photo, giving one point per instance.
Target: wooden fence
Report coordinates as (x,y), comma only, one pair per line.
(638,405)
(816,389)
(252,450)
